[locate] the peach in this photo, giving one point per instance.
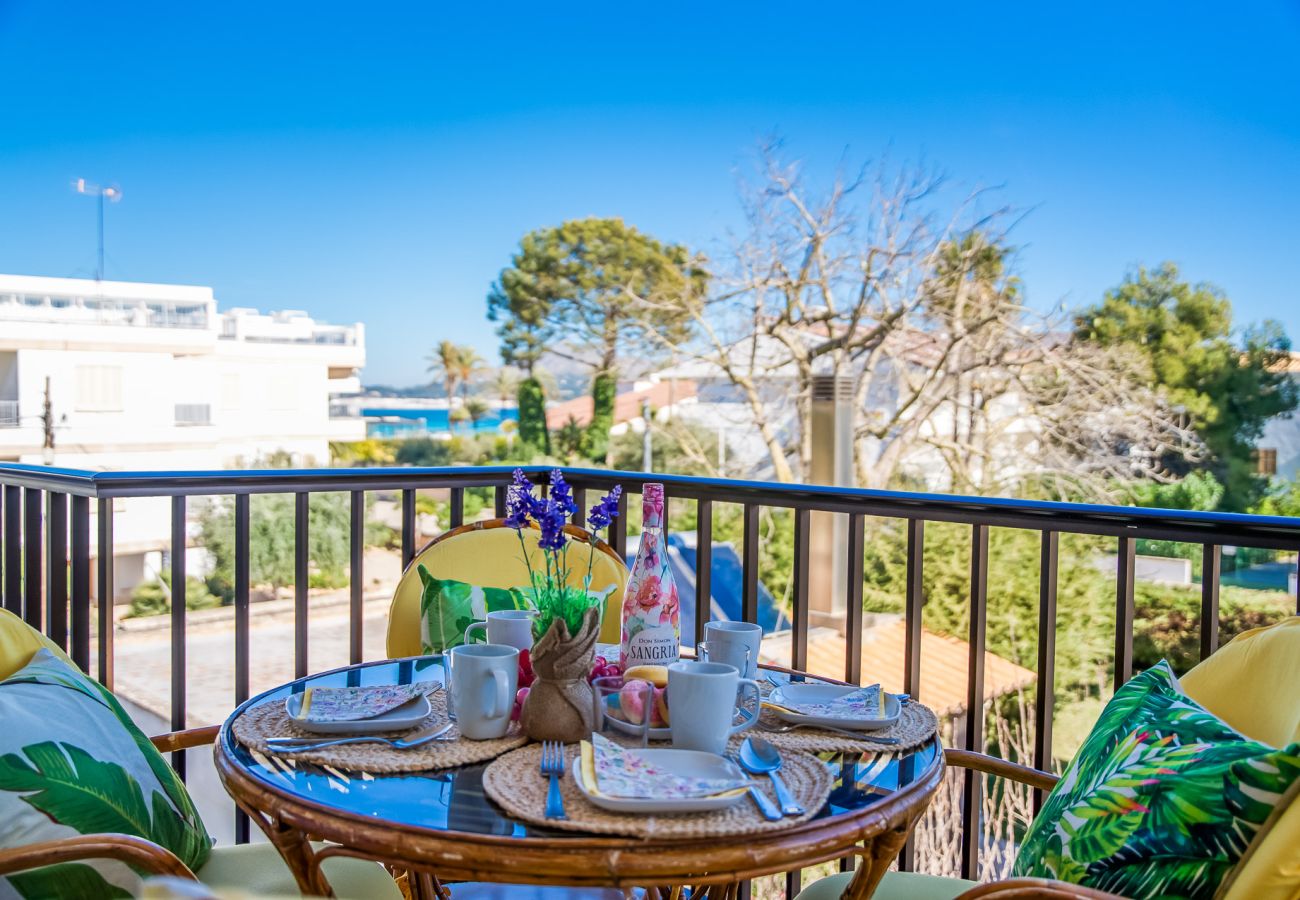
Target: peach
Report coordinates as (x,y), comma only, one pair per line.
(632,700)
(659,719)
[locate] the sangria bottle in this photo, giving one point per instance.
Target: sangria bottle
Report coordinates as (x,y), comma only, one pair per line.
(652,625)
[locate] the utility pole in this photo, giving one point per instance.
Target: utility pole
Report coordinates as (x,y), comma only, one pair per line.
(646,461)
(47,425)
(114,194)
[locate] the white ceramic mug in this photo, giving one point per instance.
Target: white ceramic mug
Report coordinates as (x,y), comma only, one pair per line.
(729,653)
(483,682)
(512,627)
(702,704)
(745,634)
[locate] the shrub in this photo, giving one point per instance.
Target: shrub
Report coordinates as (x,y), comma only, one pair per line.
(150,598)
(532,414)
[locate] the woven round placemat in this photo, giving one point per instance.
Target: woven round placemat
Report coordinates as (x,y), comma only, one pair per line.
(253,727)
(516,784)
(916,725)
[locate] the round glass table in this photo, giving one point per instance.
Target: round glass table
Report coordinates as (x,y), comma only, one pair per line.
(441,827)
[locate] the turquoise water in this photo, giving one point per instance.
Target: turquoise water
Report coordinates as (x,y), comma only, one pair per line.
(431,421)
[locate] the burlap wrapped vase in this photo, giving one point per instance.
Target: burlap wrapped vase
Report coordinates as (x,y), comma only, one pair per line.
(559,705)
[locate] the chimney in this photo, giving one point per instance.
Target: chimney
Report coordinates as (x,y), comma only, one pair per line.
(831,464)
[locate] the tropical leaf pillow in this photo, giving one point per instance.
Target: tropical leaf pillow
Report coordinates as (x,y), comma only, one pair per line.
(72,762)
(1162,799)
(448,607)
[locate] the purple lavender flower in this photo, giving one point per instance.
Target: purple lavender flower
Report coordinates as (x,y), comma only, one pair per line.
(521,505)
(552,521)
(606,510)
(562,494)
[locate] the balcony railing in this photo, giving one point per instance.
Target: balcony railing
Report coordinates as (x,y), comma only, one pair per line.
(46,518)
(8,413)
(67,310)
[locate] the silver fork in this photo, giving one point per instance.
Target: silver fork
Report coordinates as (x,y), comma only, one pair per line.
(859,735)
(553,767)
(298,745)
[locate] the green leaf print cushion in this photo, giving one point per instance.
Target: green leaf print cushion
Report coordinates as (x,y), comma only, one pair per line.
(1162,799)
(72,762)
(448,607)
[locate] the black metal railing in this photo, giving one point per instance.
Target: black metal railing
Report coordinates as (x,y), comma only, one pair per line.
(47,551)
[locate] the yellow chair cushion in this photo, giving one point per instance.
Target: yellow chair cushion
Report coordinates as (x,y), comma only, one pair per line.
(894,886)
(491,557)
(1271,869)
(256,870)
(19,643)
(1253,683)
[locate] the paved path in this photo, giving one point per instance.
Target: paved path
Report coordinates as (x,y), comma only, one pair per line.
(143,658)
(143,680)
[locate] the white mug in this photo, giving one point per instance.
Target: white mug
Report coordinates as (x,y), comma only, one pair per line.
(483,682)
(512,627)
(745,634)
(729,653)
(702,704)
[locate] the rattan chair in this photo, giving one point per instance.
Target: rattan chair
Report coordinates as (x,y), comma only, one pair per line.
(1253,683)
(255,869)
(488,554)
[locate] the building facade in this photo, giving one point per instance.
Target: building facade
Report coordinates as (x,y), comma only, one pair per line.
(124,375)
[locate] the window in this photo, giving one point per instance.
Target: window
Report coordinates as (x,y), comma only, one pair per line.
(99,389)
(1266,461)
(193,414)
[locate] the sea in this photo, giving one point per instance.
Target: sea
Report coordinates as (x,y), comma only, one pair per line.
(410,422)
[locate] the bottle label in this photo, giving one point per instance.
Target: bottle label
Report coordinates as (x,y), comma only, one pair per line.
(658,646)
(651,609)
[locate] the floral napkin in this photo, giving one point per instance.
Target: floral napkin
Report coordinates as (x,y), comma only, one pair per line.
(348,704)
(860,704)
(614,771)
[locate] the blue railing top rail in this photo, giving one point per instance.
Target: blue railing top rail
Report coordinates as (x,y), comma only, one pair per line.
(1277,532)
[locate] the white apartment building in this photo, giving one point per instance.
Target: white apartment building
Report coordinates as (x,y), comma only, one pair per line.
(153,376)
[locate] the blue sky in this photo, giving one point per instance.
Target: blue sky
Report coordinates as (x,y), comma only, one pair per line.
(380,162)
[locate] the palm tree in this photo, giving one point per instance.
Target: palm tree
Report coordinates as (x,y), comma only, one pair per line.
(476,409)
(443,360)
(467,363)
(505,382)
(455,417)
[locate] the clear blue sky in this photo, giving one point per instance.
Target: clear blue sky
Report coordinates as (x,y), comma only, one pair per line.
(364,161)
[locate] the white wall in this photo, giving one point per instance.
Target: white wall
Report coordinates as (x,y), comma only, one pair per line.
(119,364)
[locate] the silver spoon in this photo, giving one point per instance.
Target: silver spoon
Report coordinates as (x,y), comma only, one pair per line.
(298,745)
(760,757)
(765,806)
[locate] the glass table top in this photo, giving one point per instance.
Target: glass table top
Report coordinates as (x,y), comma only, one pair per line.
(454,800)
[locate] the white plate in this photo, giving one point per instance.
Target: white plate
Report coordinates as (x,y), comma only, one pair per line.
(408,715)
(660,734)
(688,763)
(793,694)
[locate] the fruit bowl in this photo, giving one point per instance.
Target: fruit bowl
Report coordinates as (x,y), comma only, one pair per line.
(622,706)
